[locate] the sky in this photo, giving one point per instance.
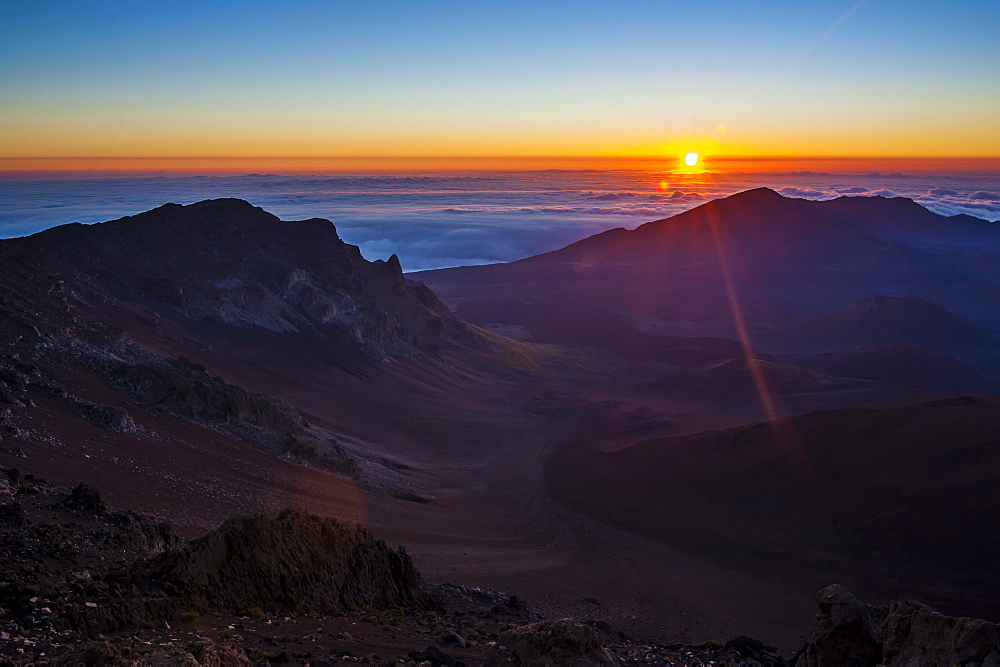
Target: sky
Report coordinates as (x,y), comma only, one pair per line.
(543,79)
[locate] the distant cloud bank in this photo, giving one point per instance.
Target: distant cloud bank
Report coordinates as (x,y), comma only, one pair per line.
(439,219)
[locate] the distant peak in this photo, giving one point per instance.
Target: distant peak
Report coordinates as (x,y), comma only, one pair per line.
(391,264)
(757,193)
(213,206)
(753,197)
(879,300)
(223,203)
(228,209)
(882,298)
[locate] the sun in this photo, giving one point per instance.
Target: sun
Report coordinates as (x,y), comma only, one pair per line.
(691,159)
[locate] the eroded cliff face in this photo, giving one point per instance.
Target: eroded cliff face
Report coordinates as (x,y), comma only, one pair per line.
(127,305)
(227,262)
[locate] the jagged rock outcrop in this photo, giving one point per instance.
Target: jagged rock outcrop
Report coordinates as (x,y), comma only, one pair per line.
(183,388)
(227,262)
(847,632)
(113,614)
(85,498)
(186,389)
(94,570)
(297,562)
(108,416)
(914,634)
(562,642)
(843,633)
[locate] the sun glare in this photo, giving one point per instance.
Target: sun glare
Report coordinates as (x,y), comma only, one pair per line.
(691,159)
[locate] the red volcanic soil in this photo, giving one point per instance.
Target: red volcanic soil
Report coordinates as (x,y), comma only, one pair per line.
(592,482)
(884,501)
(472,438)
(451,444)
(489,520)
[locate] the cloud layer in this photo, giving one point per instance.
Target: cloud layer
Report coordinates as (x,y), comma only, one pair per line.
(451,218)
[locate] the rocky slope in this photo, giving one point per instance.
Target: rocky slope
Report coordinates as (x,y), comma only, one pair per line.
(123,305)
(85,584)
(906,632)
(227,262)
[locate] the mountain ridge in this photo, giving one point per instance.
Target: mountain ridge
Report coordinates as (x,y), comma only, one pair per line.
(230,262)
(777,260)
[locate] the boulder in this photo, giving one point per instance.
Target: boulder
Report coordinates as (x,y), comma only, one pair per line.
(914,634)
(297,562)
(85,498)
(109,417)
(553,643)
(846,632)
(843,633)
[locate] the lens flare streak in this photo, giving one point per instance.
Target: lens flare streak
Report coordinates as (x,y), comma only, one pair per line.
(782,429)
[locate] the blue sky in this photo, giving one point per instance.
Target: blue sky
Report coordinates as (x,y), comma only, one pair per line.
(498,78)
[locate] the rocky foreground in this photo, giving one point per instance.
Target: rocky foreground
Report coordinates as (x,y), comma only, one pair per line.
(84,584)
(81,583)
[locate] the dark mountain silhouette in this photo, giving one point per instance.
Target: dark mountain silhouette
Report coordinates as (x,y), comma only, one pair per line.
(227,262)
(764,263)
(758,229)
(869,487)
(755,245)
(901,219)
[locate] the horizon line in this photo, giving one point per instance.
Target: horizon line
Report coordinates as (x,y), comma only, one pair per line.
(68,166)
(736,157)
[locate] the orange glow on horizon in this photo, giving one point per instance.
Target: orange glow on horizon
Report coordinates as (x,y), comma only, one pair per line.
(293,164)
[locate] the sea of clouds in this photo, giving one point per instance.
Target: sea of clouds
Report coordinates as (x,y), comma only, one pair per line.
(433,220)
